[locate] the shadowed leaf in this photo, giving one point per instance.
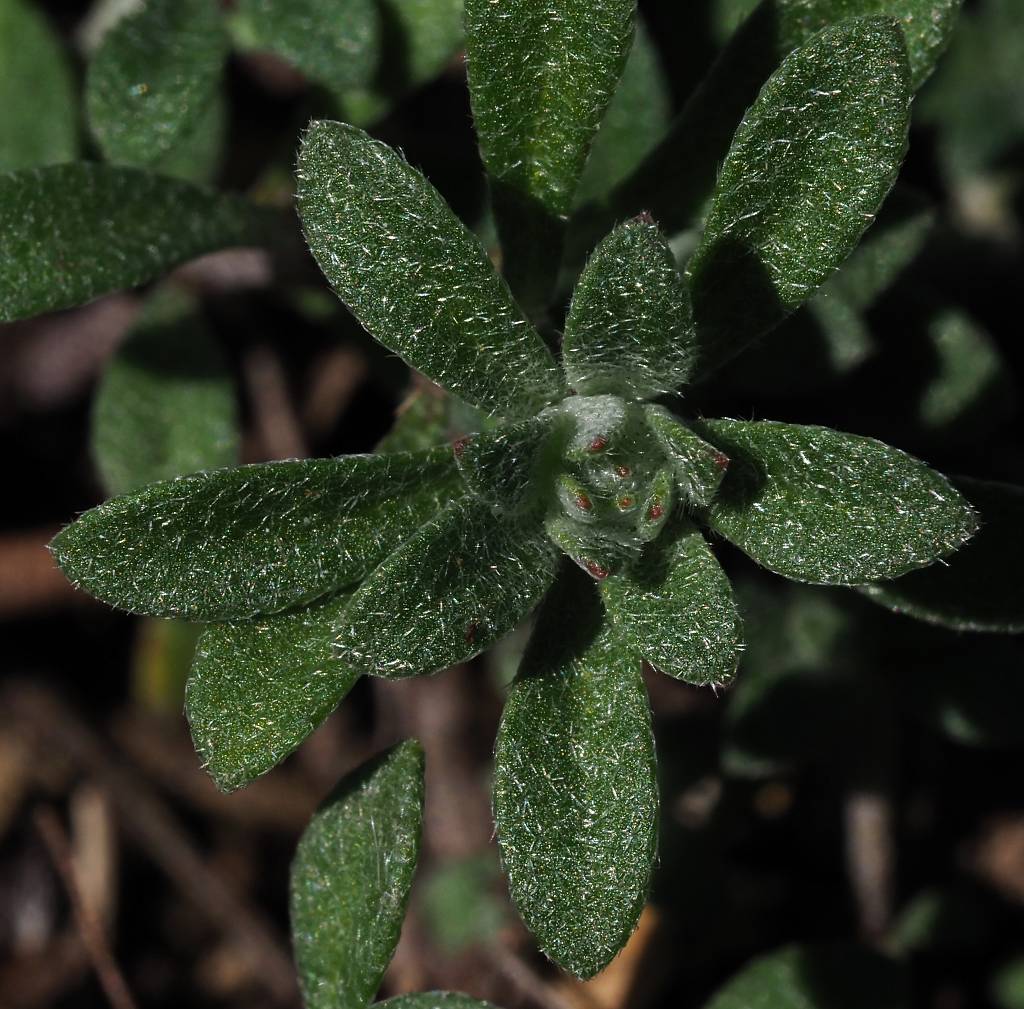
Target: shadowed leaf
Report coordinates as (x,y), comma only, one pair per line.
(258,689)
(350,879)
(73,232)
(465,580)
(575,795)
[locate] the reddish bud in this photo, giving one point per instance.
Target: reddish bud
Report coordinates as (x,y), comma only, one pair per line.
(470,634)
(459,445)
(655,511)
(595,569)
(721,460)
(599,444)
(625,502)
(583,502)
(623,471)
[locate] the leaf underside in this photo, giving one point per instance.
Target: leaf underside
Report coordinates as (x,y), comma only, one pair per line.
(231,544)
(821,506)
(351,876)
(433,1000)
(258,688)
(575,795)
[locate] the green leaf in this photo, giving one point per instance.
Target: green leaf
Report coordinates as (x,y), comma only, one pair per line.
(927,25)
(38,125)
(335,44)
(73,232)
(166,404)
(433,1000)
(699,467)
(808,169)
(198,155)
(234,543)
(463,581)
(541,77)
(675,607)
(419,281)
(977,589)
(637,118)
(351,876)
(816,977)
(970,386)
(510,468)
(675,179)
(258,689)
(461,905)
(431,32)
(154,77)
(629,329)
(821,506)
(575,794)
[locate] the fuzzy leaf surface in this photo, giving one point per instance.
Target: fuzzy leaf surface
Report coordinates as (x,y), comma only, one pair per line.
(699,467)
(38,124)
(927,25)
(153,77)
(258,689)
(415,277)
(629,329)
(541,75)
(234,543)
(433,1000)
(816,977)
(821,506)
(977,588)
(461,583)
(506,467)
(575,794)
(350,879)
(637,118)
(336,45)
(676,608)
(166,403)
(807,171)
(73,232)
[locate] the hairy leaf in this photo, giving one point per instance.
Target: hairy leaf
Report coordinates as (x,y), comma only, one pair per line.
(350,879)
(816,977)
(629,329)
(414,276)
(927,25)
(637,118)
(334,44)
(166,404)
(510,467)
(433,1000)
(977,588)
(154,76)
(575,795)
(808,169)
(36,93)
(463,581)
(676,178)
(73,232)
(234,543)
(541,75)
(817,505)
(675,607)
(699,467)
(259,688)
